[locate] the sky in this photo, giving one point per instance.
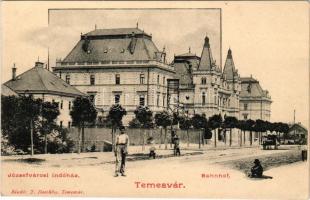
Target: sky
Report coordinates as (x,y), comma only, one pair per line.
(174,35)
(269,40)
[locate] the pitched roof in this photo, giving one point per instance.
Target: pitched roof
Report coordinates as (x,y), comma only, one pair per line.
(206,60)
(40,80)
(250,87)
(188,54)
(123,46)
(298,126)
(183,73)
(229,67)
(115,31)
(6,91)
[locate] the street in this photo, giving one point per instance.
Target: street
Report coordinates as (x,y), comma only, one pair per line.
(199,175)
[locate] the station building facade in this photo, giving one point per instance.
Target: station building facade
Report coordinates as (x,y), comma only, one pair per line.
(124,66)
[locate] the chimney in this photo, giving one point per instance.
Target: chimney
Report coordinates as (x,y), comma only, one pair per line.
(14,72)
(39,64)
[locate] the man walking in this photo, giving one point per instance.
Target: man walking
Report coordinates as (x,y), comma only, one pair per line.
(120,152)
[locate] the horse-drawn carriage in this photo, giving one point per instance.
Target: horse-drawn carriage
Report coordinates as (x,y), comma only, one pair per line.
(269,141)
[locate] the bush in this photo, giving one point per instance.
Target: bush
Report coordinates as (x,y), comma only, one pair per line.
(134,123)
(6,148)
(59,142)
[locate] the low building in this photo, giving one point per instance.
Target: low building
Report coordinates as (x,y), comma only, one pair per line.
(41,83)
(298,133)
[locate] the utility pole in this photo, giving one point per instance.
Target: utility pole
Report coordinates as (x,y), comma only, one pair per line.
(294,124)
(31,136)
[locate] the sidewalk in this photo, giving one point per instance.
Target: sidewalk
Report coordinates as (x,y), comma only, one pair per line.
(94,158)
(207,153)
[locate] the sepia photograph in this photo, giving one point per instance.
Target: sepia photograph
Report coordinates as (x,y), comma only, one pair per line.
(155,99)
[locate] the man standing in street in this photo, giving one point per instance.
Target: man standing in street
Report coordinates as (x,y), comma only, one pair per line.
(120,152)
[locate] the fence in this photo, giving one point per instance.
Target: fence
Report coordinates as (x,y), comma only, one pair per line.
(96,138)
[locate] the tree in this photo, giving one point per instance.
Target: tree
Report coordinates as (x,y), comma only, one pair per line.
(215,122)
(260,127)
(9,110)
(185,124)
(230,122)
(163,119)
(27,115)
(35,117)
(49,112)
(83,112)
(249,126)
(115,116)
(199,122)
(242,126)
(285,129)
(145,116)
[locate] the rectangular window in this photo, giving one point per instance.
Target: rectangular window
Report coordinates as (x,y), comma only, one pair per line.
(164,99)
(60,124)
(142,100)
(157,100)
(245,106)
(61,104)
(117,98)
(92,79)
(68,78)
(245,116)
(141,78)
(69,124)
(117,79)
(203,98)
(69,105)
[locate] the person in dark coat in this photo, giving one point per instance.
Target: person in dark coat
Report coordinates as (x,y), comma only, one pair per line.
(176,148)
(257,170)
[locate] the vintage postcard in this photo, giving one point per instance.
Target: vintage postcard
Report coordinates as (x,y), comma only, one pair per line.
(155,99)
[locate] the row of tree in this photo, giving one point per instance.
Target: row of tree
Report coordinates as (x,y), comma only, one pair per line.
(32,122)
(216,123)
(29,125)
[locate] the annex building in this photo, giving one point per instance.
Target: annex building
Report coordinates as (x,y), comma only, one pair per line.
(43,84)
(124,66)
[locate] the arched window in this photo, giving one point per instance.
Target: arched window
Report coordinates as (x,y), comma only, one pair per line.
(203,81)
(203,98)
